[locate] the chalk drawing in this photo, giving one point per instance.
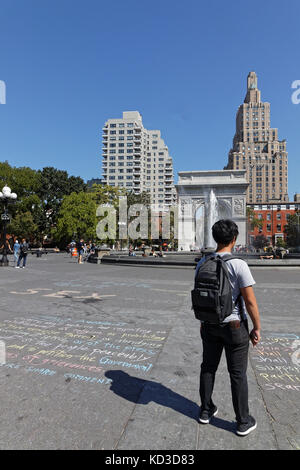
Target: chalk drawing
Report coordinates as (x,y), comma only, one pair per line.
(63,294)
(51,346)
(276,360)
(2,353)
(296,354)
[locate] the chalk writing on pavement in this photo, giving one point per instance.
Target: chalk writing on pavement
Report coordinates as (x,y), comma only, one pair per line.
(80,350)
(276,361)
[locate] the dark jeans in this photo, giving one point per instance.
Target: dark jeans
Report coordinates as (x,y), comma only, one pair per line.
(24,258)
(236,344)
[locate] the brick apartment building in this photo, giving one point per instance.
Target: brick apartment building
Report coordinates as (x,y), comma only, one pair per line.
(274,217)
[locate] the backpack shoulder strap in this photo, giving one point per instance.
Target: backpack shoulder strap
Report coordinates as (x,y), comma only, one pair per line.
(230,256)
(239,297)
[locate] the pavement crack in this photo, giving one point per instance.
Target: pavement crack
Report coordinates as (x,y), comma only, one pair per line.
(130,418)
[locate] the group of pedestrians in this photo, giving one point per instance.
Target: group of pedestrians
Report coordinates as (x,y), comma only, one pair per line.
(20,253)
(83,249)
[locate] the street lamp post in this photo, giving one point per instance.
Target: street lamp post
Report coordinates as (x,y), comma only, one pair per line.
(6,196)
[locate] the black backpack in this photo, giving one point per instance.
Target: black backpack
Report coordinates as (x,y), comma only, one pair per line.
(24,248)
(212,293)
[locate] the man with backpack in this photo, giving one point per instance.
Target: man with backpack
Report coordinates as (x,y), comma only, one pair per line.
(24,247)
(222,293)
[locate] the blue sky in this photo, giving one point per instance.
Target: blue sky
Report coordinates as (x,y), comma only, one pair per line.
(69,65)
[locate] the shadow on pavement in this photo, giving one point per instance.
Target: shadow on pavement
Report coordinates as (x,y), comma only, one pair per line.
(143,391)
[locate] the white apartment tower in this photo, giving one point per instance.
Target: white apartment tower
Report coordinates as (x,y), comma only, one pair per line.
(137,159)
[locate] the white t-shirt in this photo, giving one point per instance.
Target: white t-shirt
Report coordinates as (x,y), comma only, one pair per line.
(239,276)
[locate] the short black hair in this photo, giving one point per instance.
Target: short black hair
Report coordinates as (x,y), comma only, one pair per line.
(224,231)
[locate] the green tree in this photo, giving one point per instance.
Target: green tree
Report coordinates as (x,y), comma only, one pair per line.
(40,193)
(252,221)
(25,182)
(105,194)
(260,241)
(110,195)
(292,230)
(142,198)
(280,242)
(23,226)
(55,184)
(77,215)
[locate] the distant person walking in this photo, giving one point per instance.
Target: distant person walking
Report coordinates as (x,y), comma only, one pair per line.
(16,251)
(231,333)
(80,249)
(24,247)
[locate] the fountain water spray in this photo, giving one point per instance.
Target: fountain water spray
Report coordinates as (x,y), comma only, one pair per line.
(211,216)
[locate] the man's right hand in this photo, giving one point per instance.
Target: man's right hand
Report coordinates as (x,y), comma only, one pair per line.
(255,336)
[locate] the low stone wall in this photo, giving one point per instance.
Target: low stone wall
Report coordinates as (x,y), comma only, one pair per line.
(190,260)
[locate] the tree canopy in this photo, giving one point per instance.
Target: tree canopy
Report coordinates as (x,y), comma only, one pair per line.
(77,218)
(52,204)
(39,197)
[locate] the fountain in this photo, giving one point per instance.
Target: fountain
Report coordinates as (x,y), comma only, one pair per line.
(212,210)
(211,216)
(205,197)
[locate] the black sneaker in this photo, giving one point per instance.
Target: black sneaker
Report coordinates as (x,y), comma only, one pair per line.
(205,416)
(245,429)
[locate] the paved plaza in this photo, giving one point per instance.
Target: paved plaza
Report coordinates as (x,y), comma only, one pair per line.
(108,357)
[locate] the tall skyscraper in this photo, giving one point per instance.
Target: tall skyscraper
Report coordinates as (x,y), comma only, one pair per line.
(137,159)
(257,149)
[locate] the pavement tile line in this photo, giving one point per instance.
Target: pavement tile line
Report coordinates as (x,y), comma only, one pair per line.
(279,384)
(160,412)
(269,414)
(131,417)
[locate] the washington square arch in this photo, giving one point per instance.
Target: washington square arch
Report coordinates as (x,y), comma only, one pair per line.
(205,197)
